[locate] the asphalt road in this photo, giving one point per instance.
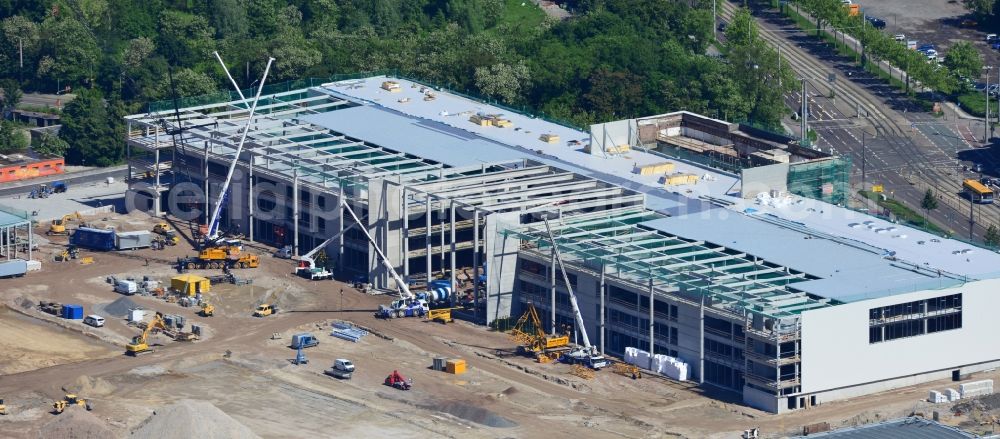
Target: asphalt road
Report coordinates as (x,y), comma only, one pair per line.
(900,149)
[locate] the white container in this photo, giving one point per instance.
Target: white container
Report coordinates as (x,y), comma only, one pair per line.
(136,315)
(976,388)
(936,397)
(953,395)
(34,265)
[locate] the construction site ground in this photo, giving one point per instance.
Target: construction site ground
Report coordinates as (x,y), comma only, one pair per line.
(243,366)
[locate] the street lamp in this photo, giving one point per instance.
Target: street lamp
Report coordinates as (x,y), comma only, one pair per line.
(986,118)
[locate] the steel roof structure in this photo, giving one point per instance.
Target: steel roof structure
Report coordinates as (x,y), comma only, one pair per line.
(631,250)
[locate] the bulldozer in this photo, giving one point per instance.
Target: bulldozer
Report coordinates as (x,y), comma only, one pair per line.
(68,401)
(138,345)
(58,226)
(533,341)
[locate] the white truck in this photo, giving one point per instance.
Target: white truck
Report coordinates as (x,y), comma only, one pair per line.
(342,368)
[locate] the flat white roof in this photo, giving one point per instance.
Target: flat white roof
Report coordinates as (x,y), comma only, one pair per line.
(520,141)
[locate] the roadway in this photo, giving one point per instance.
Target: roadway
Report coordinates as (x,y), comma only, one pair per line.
(903,148)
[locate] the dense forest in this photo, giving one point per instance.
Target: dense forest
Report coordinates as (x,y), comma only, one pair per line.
(610,59)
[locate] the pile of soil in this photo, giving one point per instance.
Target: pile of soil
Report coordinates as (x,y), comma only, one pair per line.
(120,307)
(76,423)
(192,419)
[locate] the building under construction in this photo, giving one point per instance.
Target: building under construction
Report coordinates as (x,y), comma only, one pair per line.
(721,245)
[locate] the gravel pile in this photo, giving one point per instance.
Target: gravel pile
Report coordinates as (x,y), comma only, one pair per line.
(120,307)
(76,423)
(187,419)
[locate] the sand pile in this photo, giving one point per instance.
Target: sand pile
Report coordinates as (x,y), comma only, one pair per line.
(120,307)
(76,423)
(187,419)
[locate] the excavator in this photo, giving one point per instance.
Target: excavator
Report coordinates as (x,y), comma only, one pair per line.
(68,401)
(58,226)
(533,340)
(138,345)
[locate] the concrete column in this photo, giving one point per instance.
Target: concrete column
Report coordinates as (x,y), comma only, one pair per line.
(601,292)
(295,212)
(552,291)
(427,235)
(156,170)
(475,260)
(701,341)
(30,242)
(442,215)
(340,224)
(250,200)
(652,324)
(406,237)
(453,248)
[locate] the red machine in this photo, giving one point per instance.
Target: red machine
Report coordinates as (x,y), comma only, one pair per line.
(397,380)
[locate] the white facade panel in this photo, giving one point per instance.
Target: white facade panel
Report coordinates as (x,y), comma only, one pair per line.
(836,351)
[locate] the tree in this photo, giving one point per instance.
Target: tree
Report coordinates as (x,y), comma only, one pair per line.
(929,202)
(742,30)
(188,83)
(185,38)
(136,52)
(50,144)
(992,236)
(11,95)
(90,129)
(963,59)
(229,18)
(503,81)
(11,138)
(20,42)
(69,51)
(982,8)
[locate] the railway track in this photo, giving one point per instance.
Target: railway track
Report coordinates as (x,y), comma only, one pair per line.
(892,128)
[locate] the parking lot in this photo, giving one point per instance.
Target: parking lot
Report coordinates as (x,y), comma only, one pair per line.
(933,21)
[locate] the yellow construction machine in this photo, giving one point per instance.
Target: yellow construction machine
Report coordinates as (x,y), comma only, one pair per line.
(138,345)
(218,257)
(68,401)
(207,310)
(3,407)
(442,315)
(532,340)
(169,235)
(58,226)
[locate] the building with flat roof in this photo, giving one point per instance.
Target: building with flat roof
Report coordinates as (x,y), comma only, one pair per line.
(721,245)
(905,428)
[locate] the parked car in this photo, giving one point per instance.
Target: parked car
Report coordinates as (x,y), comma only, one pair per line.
(876,22)
(968,22)
(991,37)
(900,37)
(996,45)
(94,320)
(925,47)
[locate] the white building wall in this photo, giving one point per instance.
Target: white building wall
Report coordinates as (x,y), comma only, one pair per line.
(836,352)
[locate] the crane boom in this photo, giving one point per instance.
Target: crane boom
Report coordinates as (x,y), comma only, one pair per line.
(308,256)
(404,290)
(569,288)
(213,223)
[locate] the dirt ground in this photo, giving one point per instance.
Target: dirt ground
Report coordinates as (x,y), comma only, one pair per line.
(243,367)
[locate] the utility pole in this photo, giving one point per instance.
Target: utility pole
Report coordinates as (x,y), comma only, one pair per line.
(779,67)
(864,159)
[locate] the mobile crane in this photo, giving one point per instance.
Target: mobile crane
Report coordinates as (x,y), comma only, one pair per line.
(586,354)
(138,345)
(212,232)
(408,305)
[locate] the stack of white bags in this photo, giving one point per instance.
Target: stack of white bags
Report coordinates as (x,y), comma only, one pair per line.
(662,364)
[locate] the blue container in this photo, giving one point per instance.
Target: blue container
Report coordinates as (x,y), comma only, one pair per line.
(94,239)
(72,312)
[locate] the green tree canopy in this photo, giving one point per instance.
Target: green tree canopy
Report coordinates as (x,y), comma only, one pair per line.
(90,128)
(963,59)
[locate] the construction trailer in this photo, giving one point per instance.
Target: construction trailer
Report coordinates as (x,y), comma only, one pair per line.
(753,275)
